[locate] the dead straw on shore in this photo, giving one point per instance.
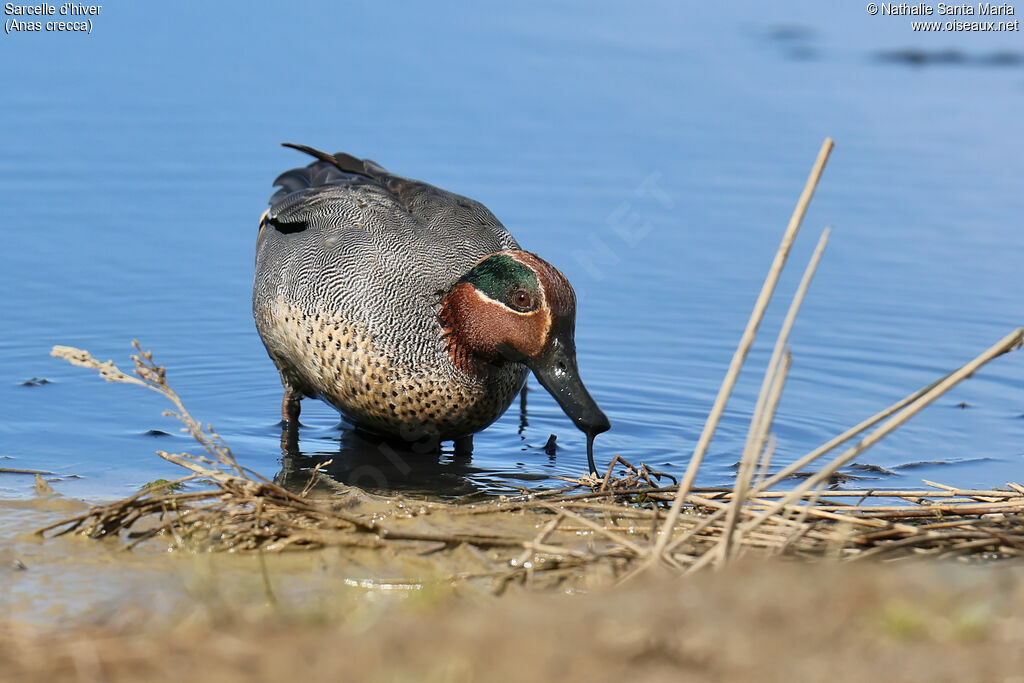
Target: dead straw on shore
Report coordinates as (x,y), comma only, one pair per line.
(617,526)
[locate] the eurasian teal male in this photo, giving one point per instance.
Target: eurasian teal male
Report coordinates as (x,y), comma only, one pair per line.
(410,309)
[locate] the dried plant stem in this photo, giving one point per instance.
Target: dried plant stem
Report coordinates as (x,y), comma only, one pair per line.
(766,458)
(805,510)
(746,341)
(746,472)
(1007,343)
(594,526)
(839,440)
(759,425)
(154,378)
(16,470)
(767,401)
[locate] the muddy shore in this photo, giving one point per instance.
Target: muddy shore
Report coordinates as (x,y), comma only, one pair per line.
(75,609)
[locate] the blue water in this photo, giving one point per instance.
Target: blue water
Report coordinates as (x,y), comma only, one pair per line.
(652,152)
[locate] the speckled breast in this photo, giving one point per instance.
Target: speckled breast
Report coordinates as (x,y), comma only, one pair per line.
(348,366)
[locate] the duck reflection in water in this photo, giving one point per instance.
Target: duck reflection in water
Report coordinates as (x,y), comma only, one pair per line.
(387,466)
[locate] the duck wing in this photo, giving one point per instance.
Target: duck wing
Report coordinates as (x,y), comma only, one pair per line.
(344,235)
(341,187)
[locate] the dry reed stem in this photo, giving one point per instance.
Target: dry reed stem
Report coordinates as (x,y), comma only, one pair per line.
(1008,343)
(749,462)
(840,439)
(759,426)
(766,419)
(746,341)
(768,397)
(154,378)
(615,537)
(766,458)
(805,510)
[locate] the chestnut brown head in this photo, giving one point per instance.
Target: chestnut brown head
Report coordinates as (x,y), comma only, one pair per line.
(514,306)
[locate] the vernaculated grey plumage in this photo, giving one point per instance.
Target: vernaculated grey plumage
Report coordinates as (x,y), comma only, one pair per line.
(351,264)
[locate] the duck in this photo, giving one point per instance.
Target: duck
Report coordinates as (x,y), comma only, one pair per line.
(410,309)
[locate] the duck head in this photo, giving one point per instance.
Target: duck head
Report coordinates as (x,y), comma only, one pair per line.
(514,306)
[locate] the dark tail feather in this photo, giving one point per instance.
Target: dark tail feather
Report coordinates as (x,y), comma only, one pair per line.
(344,162)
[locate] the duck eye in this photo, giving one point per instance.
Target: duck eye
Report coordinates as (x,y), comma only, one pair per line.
(522,300)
